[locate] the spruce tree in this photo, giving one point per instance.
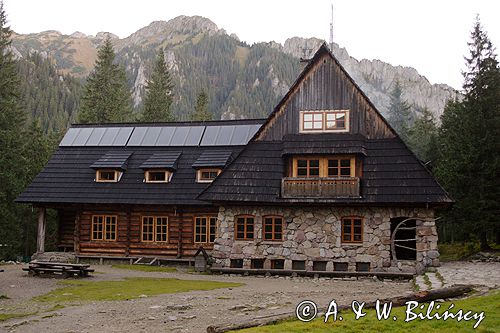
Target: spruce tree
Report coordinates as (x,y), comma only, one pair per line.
(158,98)
(399,111)
(422,136)
(469,140)
(106,96)
(201,112)
(12,121)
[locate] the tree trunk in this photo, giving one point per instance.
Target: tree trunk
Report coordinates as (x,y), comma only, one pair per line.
(484,241)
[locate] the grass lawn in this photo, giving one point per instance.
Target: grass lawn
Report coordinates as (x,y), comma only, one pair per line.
(76,290)
(145,268)
(489,304)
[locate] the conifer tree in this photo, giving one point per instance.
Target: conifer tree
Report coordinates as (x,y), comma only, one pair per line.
(422,136)
(106,96)
(399,111)
(469,139)
(158,98)
(201,112)
(12,121)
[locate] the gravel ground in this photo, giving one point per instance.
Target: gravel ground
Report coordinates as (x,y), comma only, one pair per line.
(194,311)
(181,312)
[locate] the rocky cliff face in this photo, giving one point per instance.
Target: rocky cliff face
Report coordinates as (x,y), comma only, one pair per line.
(242,80)
(376,78)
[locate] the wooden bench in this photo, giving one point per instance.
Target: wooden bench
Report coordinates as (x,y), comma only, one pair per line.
(56,268)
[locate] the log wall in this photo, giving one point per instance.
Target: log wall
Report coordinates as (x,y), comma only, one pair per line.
(129,235)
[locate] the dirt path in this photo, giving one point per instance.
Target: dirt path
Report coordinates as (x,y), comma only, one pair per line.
(182,312)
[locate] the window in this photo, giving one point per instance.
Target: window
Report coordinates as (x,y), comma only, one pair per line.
(319,266)
(340,167)
(207,175)
(244,227)
(324,167)
(335,120)
(340,266)
(157,176)
(324,121)
(362,267)
(236,263)
(107,176)
(308,167)
(299,265)
(155,229)
(257,263)
(205,229)
(352,230)
(312,121)
(273,228)
(104,227)
(277,264)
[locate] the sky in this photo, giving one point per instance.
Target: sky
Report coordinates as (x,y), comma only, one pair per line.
(429,35)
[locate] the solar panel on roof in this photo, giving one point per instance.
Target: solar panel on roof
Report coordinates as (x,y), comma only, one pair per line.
(210,136)
(180,136)
(253,130)
(240,135)
(151,136)
(165,136)
(225,135)
(122,137)
(194,135)
(69,137)
(137,136)
(96,136)
(82,137)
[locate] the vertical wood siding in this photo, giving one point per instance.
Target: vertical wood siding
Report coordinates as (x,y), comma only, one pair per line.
(326,87)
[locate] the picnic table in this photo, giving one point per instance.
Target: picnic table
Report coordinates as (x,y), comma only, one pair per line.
(58,268)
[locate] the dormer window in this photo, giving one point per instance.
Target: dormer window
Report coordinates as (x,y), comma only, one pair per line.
(207,175)
(107,176)
(324,121)
(157,176)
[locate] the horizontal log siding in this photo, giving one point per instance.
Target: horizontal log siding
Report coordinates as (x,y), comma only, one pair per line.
(129,237)
(66,229)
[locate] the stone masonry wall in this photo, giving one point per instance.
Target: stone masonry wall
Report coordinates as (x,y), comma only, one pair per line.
(314,233)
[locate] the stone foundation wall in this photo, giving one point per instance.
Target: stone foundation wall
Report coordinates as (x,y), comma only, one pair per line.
(314,234)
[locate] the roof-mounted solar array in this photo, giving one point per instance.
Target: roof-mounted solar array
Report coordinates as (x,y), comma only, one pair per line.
(165,136)
(162,161)
(112,161)
(228,135)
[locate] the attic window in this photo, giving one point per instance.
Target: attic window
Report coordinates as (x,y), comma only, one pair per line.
(324,121)
(207,175)
(107,176)
(157,176)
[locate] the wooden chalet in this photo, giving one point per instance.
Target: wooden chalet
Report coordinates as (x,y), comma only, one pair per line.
(323,185)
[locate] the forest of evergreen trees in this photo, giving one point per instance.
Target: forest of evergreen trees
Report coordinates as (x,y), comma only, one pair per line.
(37,103)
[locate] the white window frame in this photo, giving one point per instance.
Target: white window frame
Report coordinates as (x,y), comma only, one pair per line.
(323,128)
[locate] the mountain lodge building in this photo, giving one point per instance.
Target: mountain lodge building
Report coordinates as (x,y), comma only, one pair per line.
(323,184)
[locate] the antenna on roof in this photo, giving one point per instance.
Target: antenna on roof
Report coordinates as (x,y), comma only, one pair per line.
(331,31)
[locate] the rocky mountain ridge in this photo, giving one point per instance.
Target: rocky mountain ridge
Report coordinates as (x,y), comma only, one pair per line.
(237,75)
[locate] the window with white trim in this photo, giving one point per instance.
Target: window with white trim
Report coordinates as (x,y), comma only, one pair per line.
(324,121)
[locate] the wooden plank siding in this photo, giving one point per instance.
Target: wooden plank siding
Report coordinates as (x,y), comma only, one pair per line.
(325,86)
(129,242)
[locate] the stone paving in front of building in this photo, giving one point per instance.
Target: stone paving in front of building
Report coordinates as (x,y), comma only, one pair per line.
(483,274)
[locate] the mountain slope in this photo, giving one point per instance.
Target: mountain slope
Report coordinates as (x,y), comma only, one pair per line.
(242,81)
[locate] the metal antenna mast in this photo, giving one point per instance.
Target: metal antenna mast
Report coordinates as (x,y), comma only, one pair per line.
(331,31)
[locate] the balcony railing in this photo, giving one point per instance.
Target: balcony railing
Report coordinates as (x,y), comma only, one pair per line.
(346,187)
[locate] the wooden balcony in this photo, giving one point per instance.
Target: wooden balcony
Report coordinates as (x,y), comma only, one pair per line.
(346,187)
